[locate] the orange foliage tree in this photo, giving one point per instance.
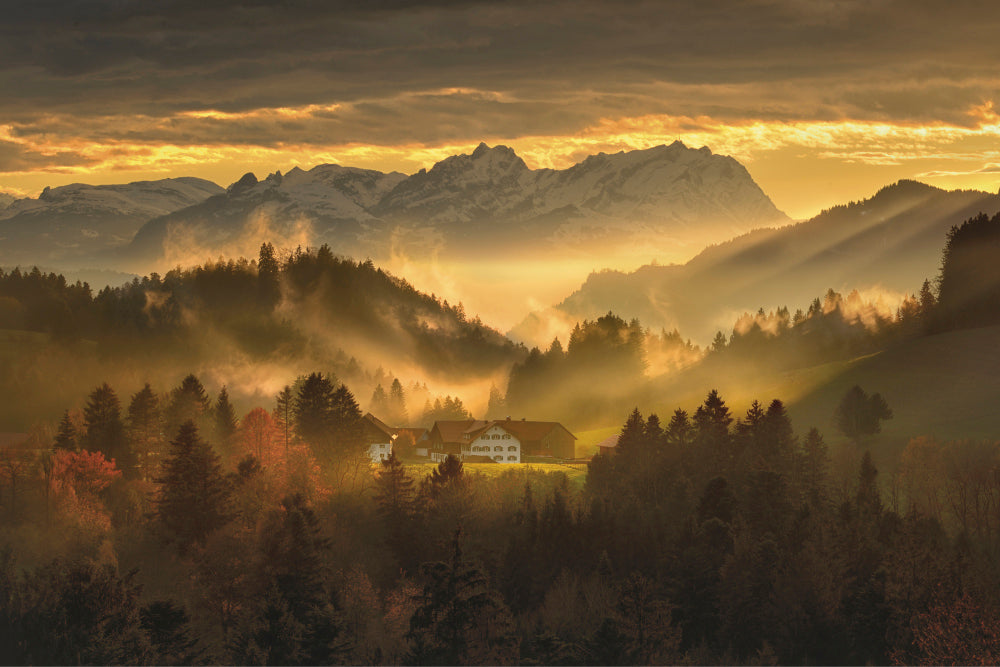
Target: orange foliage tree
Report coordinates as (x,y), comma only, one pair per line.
(77,478)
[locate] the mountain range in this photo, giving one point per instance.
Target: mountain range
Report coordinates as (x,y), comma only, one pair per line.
(890,242)
(663,201)
(79,224)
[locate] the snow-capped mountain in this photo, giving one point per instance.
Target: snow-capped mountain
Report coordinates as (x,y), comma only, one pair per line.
(668,201)
(78,223)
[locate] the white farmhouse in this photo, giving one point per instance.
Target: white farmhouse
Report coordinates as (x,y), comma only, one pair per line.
(493,441)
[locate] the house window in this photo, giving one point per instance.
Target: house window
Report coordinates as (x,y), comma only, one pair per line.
(496,436)
(498,458)
(512,448)
(498,448)
(511,458)
(506,436)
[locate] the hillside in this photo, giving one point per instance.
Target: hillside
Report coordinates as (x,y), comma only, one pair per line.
(253,329)
(891,241)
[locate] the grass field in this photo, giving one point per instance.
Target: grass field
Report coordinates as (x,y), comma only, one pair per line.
(576,472)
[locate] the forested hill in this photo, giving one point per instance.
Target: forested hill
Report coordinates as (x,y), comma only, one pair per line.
(273,315)
(891,241)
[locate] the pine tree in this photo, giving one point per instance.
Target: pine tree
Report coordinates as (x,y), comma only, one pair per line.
(188,402)
(379,403)
(460,620)
(397,404)
(496,408)
(66,436)
(105,431)
(447,474)
(268,276)
(313,407)
(815,462)
(145,427)
(225,421)
(346,422)
(284,410)
(394,491)
(194,493)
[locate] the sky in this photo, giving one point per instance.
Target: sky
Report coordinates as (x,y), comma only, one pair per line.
(824,101)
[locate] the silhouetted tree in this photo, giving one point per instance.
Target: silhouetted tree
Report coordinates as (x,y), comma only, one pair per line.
(145,427)
(460,620)
(105,431)
(194,494)
(66,435)
(858,414)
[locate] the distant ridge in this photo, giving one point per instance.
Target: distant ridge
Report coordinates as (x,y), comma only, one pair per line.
(76,225)
(670,199)
(892,240)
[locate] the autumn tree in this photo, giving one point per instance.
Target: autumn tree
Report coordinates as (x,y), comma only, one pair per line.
(77,479)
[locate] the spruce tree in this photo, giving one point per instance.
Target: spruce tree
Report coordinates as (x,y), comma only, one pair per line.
(284,410)
(188,402)
(145,427)
(379,403)
(397,404)
(66,436)
(194,493)
(460,619)
(225,421)
(105,431)
(313,408)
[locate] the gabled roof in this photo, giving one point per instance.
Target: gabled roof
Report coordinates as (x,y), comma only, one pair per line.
(455,431)
(520,429)
(609,442)
(526,430)
(380,425)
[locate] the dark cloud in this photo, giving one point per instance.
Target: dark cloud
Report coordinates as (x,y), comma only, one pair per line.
(561,65)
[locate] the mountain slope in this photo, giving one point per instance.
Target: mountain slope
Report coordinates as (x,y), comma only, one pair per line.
(668,199)
(80,223)
(891,241)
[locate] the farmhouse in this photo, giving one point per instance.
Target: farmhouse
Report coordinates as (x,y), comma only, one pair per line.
(379,436)
(501,440)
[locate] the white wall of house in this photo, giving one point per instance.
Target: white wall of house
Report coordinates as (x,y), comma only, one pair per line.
(379,452)
(496,443)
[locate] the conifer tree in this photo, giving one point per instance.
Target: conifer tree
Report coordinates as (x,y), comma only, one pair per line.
(188,402)
(397,404)
(460,619)
(447,474)
(379,403)
(313,407)
(66,435)
(105,431)
(284,411)
(145,427)
(194,493)
(224,420)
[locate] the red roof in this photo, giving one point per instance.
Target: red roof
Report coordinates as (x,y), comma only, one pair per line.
(609,442)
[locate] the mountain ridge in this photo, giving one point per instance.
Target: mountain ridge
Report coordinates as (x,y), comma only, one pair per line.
(670,195)
(890,241)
